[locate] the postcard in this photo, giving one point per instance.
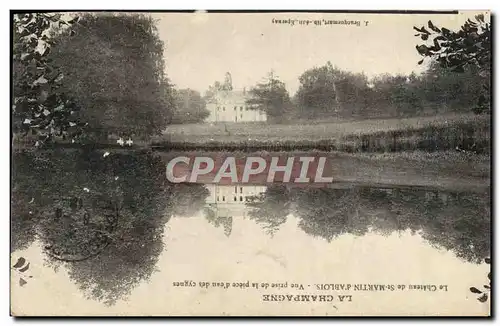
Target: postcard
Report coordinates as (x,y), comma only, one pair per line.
(251,163)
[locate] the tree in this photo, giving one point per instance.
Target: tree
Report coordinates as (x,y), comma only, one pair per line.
(212,90)
(443,89)
(190,107)
(105,217)
(352,93)
(317,93)
(271,97)
(39,106)
(458,50)
(114,72)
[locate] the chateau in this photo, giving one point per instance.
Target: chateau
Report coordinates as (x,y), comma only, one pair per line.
(226,202)
(230,106)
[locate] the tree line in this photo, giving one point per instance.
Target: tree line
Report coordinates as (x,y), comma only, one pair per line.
(91,75)
(87,76)
(457,78)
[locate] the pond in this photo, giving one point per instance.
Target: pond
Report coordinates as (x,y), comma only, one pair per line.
(109,233)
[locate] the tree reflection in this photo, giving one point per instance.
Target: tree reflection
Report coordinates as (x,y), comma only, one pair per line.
(102,217)
(24,201)
(270,208)
(214,217)
(458,222)
(187,199)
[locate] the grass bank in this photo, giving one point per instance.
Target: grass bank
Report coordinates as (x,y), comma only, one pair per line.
(447,132)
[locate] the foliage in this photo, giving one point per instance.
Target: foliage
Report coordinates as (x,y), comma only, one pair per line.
(271,97)
(485,293)
(212,90)
(217,86)
(82,184)
(353,93)
(270,208)
(441,89)
(91,75)
(458,50)
(317,94)
(114,70)
(39,106)
(437,90)
(456,221)
(190,107)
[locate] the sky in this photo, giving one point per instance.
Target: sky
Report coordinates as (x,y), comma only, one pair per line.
(201,47)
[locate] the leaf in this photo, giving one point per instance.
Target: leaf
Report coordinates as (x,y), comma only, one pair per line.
(425,31)
(22,282)
(422,49)
(489,276)
(26,56)
(436,47)
(421,61)
(487,260)
(424,37)
(486,286)
(74,20)
(41,47)
(59,78)
(434,28)
(480,18)
(20,262)
(25,268)
(475,290)
(446,31)
(40,80)
(483,298)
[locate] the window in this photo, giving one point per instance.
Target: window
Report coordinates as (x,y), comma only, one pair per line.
(235,189)
(235,199)
(241,190)
(241,116)
(217,198)
(234,108)
(241,198)
(223,198)
(241,108)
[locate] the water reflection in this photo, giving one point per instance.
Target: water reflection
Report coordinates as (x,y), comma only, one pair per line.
(459,222)
(104,217)
(224,202)
(101,216)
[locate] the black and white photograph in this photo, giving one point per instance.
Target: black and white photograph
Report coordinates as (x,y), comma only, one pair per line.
(251,163)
